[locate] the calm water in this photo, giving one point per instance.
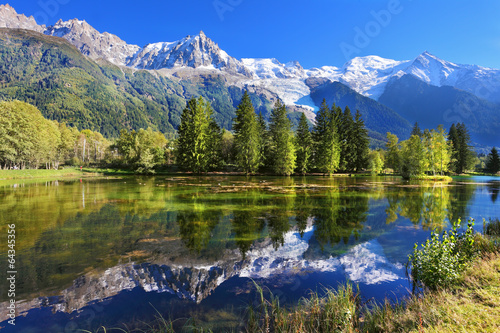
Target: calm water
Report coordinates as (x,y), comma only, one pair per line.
(113,251)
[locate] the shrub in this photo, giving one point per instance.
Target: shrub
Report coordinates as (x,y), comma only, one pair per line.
(492,228)
(442,259)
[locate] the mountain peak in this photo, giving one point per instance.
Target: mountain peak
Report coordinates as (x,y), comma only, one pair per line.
(9,18)
(202,34)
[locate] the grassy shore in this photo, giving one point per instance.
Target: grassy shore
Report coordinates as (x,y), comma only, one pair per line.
(436,178)
(63,172)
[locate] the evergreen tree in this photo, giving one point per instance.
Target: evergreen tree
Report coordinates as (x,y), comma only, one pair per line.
(347,144)
(282,141)
(325,134)
(197,136)
(303,145)
(493,161)
(264,142)
(214,146)
(463,154)
(247,136)
(361,142)
(416,130)
(318,132)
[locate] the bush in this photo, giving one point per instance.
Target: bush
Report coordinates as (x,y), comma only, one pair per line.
(441,260)
(492,228)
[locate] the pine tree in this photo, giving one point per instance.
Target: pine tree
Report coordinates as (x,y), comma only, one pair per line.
(282,141)
(196,146)
(325,134)
(361,142)
(319,130)
(247,136)
(493,161)
(465,155)
(264,142)
(347,142)
(454,144)
(416,130)
(303,145)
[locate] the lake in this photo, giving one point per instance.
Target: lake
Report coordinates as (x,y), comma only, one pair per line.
(108,251)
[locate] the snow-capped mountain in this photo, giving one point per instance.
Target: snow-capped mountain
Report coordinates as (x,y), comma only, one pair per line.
(366,75)
(369,75)
(192,51)
(92,43)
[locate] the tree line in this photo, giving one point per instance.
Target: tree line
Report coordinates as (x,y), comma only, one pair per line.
(337,142)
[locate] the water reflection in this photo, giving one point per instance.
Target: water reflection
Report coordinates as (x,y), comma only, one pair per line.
(429,206)
(187,236)
(494,188)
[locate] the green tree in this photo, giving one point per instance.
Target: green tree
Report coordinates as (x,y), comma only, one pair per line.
(265,142)
(304,145)
(416,130)
(462,154)
(246,136)
(325,134)
(493,161)
(195,151)
(413,159)
(376,162)
(361,142)
(392,159)
(282,141)
(438,150)
(347,141)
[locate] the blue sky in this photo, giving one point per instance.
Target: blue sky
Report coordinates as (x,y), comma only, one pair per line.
(315,32)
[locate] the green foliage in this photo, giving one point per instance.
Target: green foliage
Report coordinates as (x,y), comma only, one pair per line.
(361,142)
(440,261)
(246,136)
(462,158)
(282,147)
(376,162)
(326,139)
(336,311)
(493,161)
(438,150)
(412,157)
(392,159)
(347,142)
(143,150)
(416,130)
(492,228)
(198,145)
(304,146)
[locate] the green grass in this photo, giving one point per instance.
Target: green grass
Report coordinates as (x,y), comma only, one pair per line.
(39,173)
(436,178)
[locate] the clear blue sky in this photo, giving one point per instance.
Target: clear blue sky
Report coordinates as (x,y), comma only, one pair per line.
(315,32)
